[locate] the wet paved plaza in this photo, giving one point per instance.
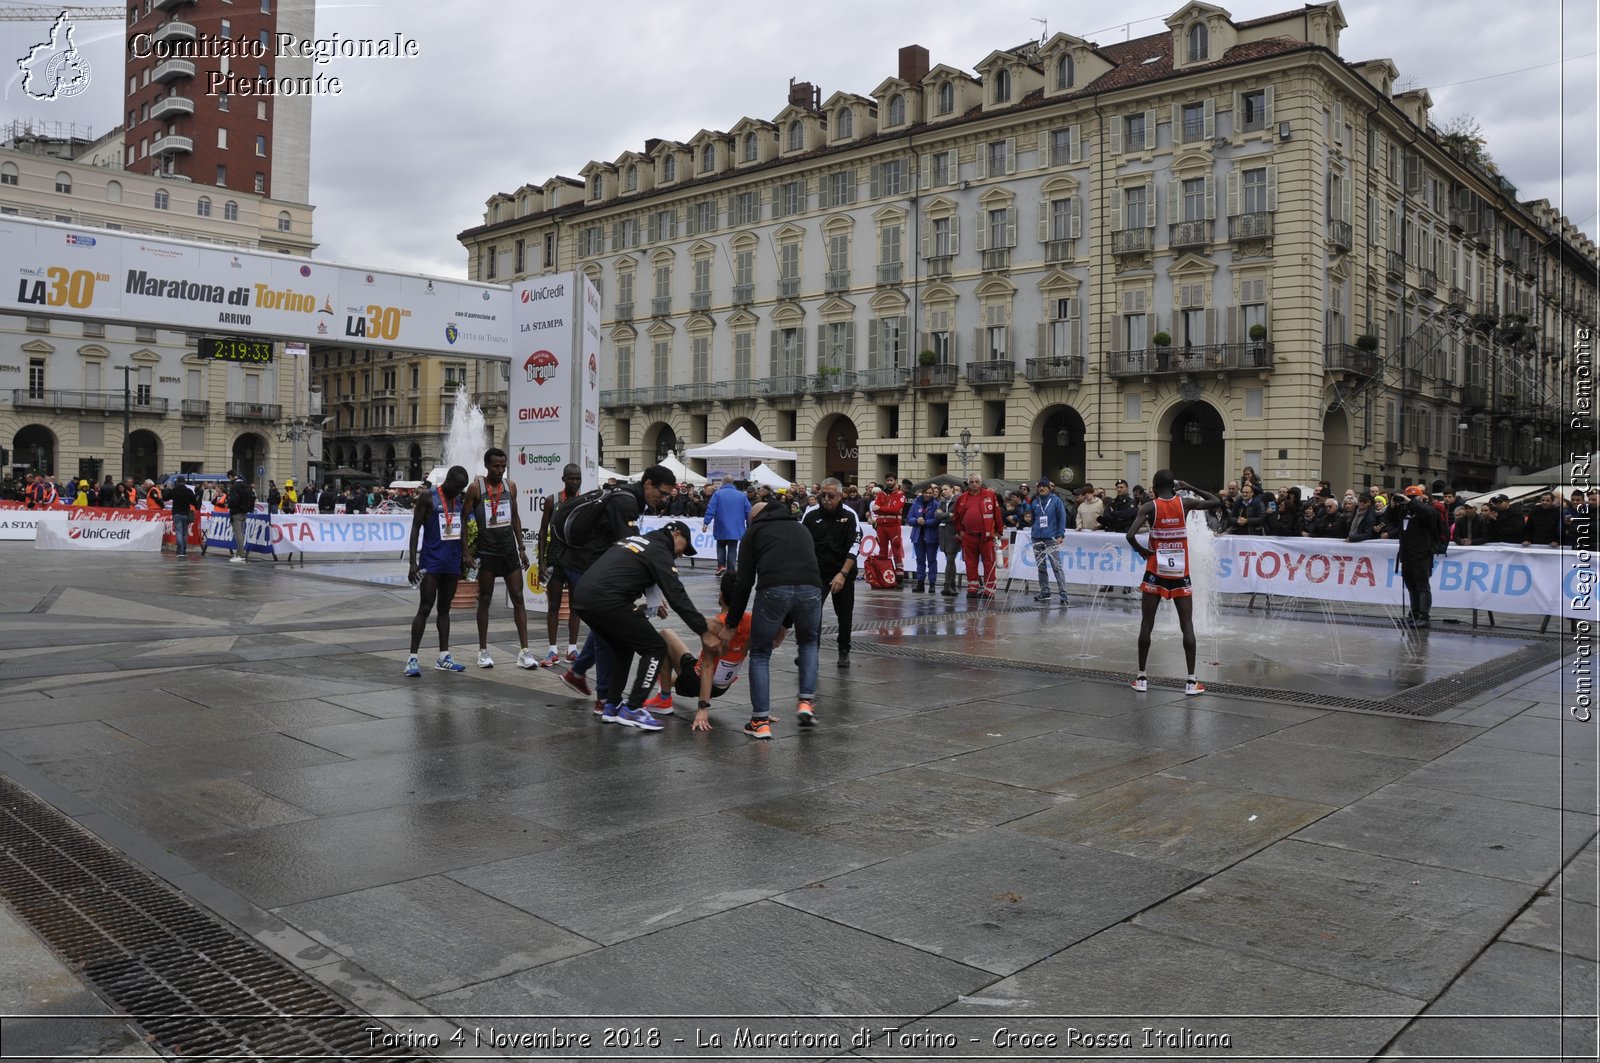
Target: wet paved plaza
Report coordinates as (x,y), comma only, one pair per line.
(1358,845)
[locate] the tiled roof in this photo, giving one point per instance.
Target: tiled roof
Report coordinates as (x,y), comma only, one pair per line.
(1146,59)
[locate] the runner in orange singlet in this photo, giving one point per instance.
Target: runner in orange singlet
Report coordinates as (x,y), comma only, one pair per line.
(1166,573)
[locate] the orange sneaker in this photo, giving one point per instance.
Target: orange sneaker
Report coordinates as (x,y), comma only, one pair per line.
(758,727)
(805,713)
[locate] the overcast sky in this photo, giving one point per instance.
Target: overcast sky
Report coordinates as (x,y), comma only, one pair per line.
(504,94)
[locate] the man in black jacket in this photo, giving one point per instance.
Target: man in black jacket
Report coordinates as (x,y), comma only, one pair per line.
(605,601)
(184,507)
(779,559)
(1417,524)
(1506,523)
(836,532)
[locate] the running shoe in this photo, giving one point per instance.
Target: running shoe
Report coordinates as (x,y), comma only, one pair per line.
(1065,600)
(1140,683)
(485,660)
(1044,597)
(660,704)
(572,656)
(447,663)
(413,667)
(613,714)
(639,719)
(551,659)
(758,727)
(1193,687)
(525,659)
(805,713)
(576,682)
(599,707)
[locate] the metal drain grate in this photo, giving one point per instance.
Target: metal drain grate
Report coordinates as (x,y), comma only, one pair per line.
(197,987)
(1428,699)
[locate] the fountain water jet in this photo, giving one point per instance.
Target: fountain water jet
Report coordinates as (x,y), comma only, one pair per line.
(466,441)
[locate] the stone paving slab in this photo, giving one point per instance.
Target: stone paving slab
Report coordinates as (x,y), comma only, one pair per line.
(695,868)
(1580,879)
(1183,727)
(64,741)
(1386,735)
(997,900)
(1556,738)
(187,811)
(432,935)
(1272,765)
(1386,923)
(983,723)
(293,862)
(1196,825)
(1513,775)
(897,811)
(373,738)
(154,768)
(1486,1012)
(1503,839)
(1069,764)
(1116,983)
(1558,924)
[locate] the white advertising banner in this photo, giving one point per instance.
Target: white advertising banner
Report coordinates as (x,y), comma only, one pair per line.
(1503,579)
(124,536)
(22,525)
(587,396)
(341,534)
(546,379)
(51,268)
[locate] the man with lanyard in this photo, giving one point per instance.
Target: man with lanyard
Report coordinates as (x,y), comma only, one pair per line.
(1167,566)
(837,533)
(440,518)
(1049,528)
(888,509)
(605,599)
(500,550)
(550,567)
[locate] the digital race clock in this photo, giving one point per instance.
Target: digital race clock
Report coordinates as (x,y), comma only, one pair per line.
(255,352)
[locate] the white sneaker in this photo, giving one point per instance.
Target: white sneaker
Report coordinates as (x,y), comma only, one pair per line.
(235,560)
(525,659)
(1140,684)
(484,660)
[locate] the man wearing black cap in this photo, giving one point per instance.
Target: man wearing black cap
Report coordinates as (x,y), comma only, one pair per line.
(1506,522)
(605,601)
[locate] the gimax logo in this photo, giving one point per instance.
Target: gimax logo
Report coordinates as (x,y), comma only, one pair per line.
(539,413)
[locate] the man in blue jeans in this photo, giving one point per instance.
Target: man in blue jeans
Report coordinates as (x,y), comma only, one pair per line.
(778,559)
(729,513)
(1049,528)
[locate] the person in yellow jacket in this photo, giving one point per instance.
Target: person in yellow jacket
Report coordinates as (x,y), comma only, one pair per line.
(82,497)
(291,497)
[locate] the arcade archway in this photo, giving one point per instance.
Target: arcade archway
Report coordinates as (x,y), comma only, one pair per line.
(1338,453)
(1195,444)
(144,455)
(1061,444)
(250,459)
(35,447)
(836,449)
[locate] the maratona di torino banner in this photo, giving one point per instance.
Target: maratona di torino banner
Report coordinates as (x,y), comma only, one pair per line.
(102,275)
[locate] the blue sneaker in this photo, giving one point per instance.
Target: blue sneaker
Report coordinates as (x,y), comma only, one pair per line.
(614,714)
(638,718)
(447,663)
(413,667)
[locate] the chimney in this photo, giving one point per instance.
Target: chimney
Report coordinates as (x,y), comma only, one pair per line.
(651,144)
(913,64)
(804,94)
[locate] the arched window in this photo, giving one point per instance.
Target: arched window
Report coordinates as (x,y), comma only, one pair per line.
(64,183)
(947,98)
(202,208)
(847,123)
(669,168)
(897,110)
(113,191)
(230,211)
(1064,72)
(797,135)
(708,158)
(162,199)
(1002,85)
(751,147)
(1199,42)
(9,174)
(631,180)
(284,221)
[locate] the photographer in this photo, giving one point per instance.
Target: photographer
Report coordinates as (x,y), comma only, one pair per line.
(1413,520)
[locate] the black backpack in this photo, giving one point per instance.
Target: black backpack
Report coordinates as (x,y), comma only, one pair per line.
(577,520)
(241,497)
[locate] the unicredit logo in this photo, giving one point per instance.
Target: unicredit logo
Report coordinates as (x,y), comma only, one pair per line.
(534,295)
(539,413)
(115,535)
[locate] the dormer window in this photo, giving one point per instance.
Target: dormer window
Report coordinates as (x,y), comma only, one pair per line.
(597,186)
(847,123)
(669,169)
(1199,42)
(1002,85)
(1064,72)
(797,135)
(947,98)
(631,180)
(751,147)
(708,158)
(897,110)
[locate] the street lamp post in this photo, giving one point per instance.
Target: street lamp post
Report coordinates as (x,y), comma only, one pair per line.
(127,418)
(964,451)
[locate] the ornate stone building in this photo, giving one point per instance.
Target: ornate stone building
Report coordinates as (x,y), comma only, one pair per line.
(1220,245)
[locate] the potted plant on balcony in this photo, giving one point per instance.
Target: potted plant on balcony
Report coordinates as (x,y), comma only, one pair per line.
(1365,342)
(926,361)
(1161,341)
(1258,344)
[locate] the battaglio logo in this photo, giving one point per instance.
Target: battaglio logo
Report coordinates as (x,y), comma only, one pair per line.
(54,69)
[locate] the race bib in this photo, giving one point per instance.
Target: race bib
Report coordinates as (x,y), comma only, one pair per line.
(449,527)
(1172,561)
(500,512)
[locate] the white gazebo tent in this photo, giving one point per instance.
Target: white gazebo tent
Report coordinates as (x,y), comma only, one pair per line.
(762,474)
(740,444)
(682,471)
(606,474)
